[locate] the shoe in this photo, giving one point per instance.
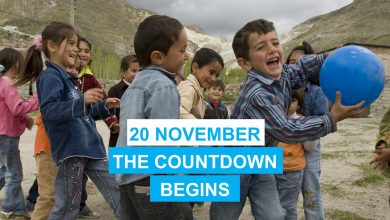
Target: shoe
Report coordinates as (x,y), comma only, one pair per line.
(11,215)
(86,212)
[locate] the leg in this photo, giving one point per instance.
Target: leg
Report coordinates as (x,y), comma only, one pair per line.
(139,194)
(289,187)
(264,198)
(2,177)
(128,211)
(46,176)
(68,189)
(10,158)
(231,210)
(97,170)
(311,192)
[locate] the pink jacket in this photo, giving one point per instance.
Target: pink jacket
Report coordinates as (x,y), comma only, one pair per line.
(13,109)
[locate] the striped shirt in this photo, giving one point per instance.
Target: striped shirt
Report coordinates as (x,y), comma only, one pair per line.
(262,97)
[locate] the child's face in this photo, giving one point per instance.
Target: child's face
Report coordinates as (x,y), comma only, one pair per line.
(130,73)
(295,56)
(293,106)
(84,53)
(72,70)
(176,55)
(65,54)
(215,92)
(207,74)
(265,54)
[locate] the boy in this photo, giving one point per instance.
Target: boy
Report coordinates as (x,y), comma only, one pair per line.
(266,94)
(160,45)
(215,108)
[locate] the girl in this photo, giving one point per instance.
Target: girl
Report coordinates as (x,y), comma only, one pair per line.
(68,117)
(129,68)
(205,68)
(14,120)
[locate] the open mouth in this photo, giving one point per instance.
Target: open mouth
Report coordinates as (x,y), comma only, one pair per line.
(273,61)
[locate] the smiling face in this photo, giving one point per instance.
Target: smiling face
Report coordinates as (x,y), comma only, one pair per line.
(215,92)
(129,74)
(84,53)
(65,53)
(265,54)
(207,74)
(295,56)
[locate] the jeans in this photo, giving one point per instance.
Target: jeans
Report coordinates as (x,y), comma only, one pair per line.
(10,159)
(311,192)
(289,187)
(136,205)
(263,196)
(69,182)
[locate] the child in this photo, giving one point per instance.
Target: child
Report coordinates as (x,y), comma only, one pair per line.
(215,108)
(160,45)
(14,120)
(68,117)
(205,67)
(290,182)
(129,68)
(315,104)
(266,94)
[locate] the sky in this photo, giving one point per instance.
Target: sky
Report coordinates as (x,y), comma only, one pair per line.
(225,17)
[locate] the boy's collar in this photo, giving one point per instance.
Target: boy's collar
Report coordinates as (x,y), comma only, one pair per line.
(170,75)
(262,77)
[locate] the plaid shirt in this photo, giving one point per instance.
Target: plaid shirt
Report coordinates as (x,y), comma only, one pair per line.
(262,97)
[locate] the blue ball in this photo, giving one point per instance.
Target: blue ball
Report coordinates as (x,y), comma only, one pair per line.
(354,71)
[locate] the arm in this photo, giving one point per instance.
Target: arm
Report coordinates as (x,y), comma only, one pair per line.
(187,98)
(383,136)
(308,64)
(50,89)
(16,105)
(112,121)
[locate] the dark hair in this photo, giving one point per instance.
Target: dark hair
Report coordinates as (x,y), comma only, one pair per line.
(81,38)
(303,46)
(127,60)
(240,40)
(10,57)
(298,94)
(205,56)
(218,83)
(157,32)
(55,32)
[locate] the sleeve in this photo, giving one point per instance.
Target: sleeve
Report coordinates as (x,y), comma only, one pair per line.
(16,104)
(163,104)
(308,64)
(110,121)
(187,98)
(99,111)
(384,130)
(50,89)
(280,128)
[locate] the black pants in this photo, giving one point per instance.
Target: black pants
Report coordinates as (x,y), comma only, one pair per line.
(33,192)
(135,201)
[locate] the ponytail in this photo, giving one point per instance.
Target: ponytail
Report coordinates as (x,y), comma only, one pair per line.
(33,66)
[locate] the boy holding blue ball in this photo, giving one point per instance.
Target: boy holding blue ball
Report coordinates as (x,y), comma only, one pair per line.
(266,94)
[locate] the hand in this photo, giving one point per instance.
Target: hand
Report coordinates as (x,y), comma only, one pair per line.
(115,128)
(381,158)
(93,96)
(29,122)
(341,112)
(113,103)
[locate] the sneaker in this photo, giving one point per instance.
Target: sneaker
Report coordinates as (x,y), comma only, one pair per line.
(11,215)
(86,212)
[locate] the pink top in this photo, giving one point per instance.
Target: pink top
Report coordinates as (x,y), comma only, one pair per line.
(13,109)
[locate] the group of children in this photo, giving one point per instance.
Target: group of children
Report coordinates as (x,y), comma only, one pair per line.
(69,149)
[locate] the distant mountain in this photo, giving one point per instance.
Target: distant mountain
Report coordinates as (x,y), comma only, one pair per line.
(110,26)
(362,21)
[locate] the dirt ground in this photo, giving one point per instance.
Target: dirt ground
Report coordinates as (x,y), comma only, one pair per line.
(351,189)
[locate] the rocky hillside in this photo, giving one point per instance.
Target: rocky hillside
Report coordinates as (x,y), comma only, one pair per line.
(363,21)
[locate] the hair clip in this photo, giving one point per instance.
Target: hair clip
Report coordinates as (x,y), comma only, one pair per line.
(38,42)
(2,68)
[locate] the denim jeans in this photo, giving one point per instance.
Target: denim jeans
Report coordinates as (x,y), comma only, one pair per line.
(10,159)
(289,187)
(263,196)
(69,183)
(136,205)
(311,192)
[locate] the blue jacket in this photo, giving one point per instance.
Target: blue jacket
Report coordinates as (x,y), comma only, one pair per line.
(69,123)
(151,95)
